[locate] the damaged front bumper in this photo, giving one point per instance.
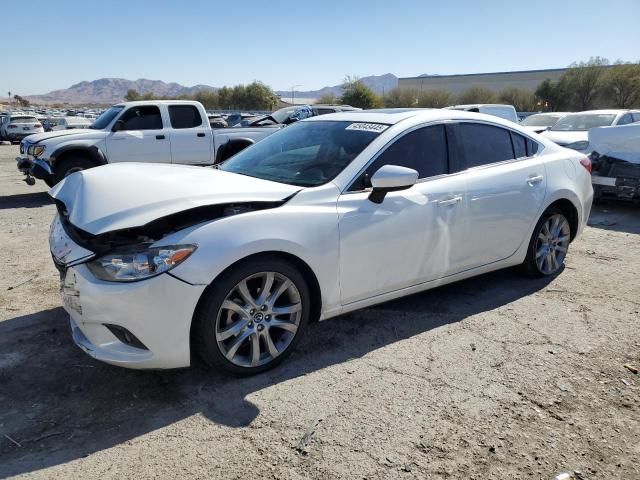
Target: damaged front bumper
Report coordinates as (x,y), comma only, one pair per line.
(143,324)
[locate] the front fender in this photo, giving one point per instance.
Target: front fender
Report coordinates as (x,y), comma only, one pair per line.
(308,233)
(91,150)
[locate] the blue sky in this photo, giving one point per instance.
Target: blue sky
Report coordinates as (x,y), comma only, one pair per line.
(53,44)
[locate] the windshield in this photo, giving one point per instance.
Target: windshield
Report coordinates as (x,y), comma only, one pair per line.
(542,120)
(581,122)
(105,119)
(306,154)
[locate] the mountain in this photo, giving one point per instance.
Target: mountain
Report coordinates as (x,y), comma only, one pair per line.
(377,83)
(113,90)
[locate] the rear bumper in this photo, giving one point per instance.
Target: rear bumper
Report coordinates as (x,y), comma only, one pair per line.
(20,135)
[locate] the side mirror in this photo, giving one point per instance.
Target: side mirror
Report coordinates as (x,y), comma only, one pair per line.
(391,178)
(119,125)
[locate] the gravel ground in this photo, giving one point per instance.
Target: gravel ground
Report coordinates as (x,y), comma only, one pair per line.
(494,377)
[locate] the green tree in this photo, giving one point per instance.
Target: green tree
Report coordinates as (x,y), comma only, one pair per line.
(132,95)
(208,98)
(23,102)
(259,97)
(434,98)
(521,98)
(551,96)
(401,97)
(413,97)
(357,94)
(328,99)
(224,98)
(621,85)
(583,82)
(476,95)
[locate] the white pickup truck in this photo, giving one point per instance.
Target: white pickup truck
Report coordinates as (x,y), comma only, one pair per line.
(163,131)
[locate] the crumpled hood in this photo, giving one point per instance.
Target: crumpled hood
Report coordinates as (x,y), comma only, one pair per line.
(128,195)
(79,132)
(622,143)
(565,138)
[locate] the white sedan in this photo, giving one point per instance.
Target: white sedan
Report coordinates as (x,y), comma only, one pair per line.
(331,214)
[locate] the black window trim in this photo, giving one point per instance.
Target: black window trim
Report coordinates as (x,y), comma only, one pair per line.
(446,123)
(160,110)
(200,125)
(541,146)
(393,140)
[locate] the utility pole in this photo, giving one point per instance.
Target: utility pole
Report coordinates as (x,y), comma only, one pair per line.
(293,87)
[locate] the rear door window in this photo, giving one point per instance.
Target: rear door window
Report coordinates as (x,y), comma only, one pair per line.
(184,116)
(532,147)
(519,145)
(625,119)
(478,144)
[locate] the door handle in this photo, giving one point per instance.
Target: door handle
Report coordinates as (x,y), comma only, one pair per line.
(159,137)
(449,201)
(533,179)
(201,134)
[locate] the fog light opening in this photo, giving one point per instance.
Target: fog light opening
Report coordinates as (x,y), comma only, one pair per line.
(125,336)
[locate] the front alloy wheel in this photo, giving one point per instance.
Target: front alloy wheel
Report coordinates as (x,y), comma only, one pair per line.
(258,319)
(251,317)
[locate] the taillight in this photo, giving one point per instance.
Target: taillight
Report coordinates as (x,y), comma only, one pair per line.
(12,126)
(586,163)
(37,125)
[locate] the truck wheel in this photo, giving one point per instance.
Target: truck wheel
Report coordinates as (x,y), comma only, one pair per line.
(70,165)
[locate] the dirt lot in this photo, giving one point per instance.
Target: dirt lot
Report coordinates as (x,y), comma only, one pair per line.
(496,377)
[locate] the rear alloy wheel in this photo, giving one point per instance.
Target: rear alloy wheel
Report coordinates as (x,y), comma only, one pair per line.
(549,245)
(253,317)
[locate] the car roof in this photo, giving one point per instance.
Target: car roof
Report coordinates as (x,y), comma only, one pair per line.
(391,116)
(610,111)
(157,102)
(478,105)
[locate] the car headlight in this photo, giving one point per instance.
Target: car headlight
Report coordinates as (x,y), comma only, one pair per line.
(581,145)
(36,150)
(131,265)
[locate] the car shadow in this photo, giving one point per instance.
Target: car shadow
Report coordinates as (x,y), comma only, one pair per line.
(25,200)
(57,404)
(616,215)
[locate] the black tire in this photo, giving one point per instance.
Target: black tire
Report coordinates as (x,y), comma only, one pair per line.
(229,149)
(530,266)
(70,165)
(207,315)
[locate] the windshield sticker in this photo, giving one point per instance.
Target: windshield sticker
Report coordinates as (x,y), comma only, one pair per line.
(368,127)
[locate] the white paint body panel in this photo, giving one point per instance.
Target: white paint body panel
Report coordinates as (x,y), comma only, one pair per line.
(437,231)
(145,192)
